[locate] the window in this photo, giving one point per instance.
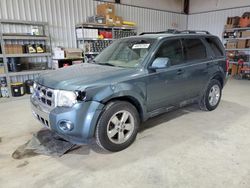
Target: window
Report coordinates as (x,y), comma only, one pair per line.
(214,43)
(194,49)
(171,49)
(127,53)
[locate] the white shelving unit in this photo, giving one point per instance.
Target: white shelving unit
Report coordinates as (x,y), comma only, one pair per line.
(81,41)
(7,37)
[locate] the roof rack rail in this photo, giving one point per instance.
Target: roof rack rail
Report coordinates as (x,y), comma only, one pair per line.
(194,31)
(173,31)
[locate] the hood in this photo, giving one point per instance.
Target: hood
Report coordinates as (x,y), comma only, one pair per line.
(79,77)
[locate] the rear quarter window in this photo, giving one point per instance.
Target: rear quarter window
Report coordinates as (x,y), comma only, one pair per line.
(215,46)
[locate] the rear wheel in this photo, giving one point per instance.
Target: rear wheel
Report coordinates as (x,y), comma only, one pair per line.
(211,97)
(118,126)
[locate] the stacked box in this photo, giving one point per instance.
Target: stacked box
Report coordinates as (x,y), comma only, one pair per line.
(231,45)
(241,43)
(104,9)
(232,22)
(13,49)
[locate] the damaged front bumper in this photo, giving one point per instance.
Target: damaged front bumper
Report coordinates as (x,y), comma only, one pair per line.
(83,116)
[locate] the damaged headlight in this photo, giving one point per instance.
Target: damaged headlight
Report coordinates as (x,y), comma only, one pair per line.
(66,98)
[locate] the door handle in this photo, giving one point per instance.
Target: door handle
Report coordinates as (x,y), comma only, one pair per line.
(179,72)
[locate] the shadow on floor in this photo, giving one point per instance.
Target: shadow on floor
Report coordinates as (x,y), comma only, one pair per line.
(47,143)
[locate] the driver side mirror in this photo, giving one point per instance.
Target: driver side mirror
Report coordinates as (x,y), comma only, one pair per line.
(160,63)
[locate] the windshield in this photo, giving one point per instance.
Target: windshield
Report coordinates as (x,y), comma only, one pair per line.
(127,53)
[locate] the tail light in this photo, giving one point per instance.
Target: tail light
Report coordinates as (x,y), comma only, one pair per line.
(227,65)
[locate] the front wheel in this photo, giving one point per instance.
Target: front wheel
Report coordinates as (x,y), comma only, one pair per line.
(118,126)
(211,97)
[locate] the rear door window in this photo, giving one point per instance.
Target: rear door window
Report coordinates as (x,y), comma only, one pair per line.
(194,50)
(215,46)
(171,49)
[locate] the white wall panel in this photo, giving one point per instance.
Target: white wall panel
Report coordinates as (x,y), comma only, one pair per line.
(213,21)
(62,16)
(197,6)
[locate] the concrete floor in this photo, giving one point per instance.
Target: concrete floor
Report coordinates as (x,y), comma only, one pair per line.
(184,148)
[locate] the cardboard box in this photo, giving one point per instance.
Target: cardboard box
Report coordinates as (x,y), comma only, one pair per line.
(118,21)
(231,45)
(13,49)
(245,34)
(58,53)
(241,43)
(2,68)
(248,43)
(110,20)
(73,53)
(233,21)
(228,26)
(104,9)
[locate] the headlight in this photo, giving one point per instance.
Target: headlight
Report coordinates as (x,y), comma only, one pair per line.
(66,98)
(34,85)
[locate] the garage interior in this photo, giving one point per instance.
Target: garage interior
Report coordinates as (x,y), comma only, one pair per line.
(183,148)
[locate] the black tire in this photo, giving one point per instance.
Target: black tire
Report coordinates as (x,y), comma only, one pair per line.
(110,110)
(204,101)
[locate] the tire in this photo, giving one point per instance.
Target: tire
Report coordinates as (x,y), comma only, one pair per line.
(206,103)
(114,133)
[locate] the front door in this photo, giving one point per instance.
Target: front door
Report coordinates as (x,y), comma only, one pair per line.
(165,86)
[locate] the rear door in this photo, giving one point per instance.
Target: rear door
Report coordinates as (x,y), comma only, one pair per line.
(197,60)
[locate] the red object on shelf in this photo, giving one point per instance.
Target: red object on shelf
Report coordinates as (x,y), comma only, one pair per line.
(65,65)
(109,35)
(240,62)
(106,34)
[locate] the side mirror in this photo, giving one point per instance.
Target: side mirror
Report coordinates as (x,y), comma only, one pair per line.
(160,63)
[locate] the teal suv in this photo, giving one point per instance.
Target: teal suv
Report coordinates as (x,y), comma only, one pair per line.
(134,79)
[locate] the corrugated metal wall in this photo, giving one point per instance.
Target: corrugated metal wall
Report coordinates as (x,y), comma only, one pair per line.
(213,21)
(62,16)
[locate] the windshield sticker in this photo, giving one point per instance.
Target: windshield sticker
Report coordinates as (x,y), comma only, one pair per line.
(139,46)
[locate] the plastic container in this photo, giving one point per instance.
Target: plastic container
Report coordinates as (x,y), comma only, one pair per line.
(14,64)
(17,89)
(29,86)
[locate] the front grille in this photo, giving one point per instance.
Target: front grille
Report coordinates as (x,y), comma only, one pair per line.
(44,95)
(43,120)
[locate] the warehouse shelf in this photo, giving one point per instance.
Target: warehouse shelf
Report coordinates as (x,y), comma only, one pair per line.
(29,55)
(72,58)
(24,37)
(28,72)
(85,35)
(238,49)
(238,29)
(95,25)
(235,62)
(245,38)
